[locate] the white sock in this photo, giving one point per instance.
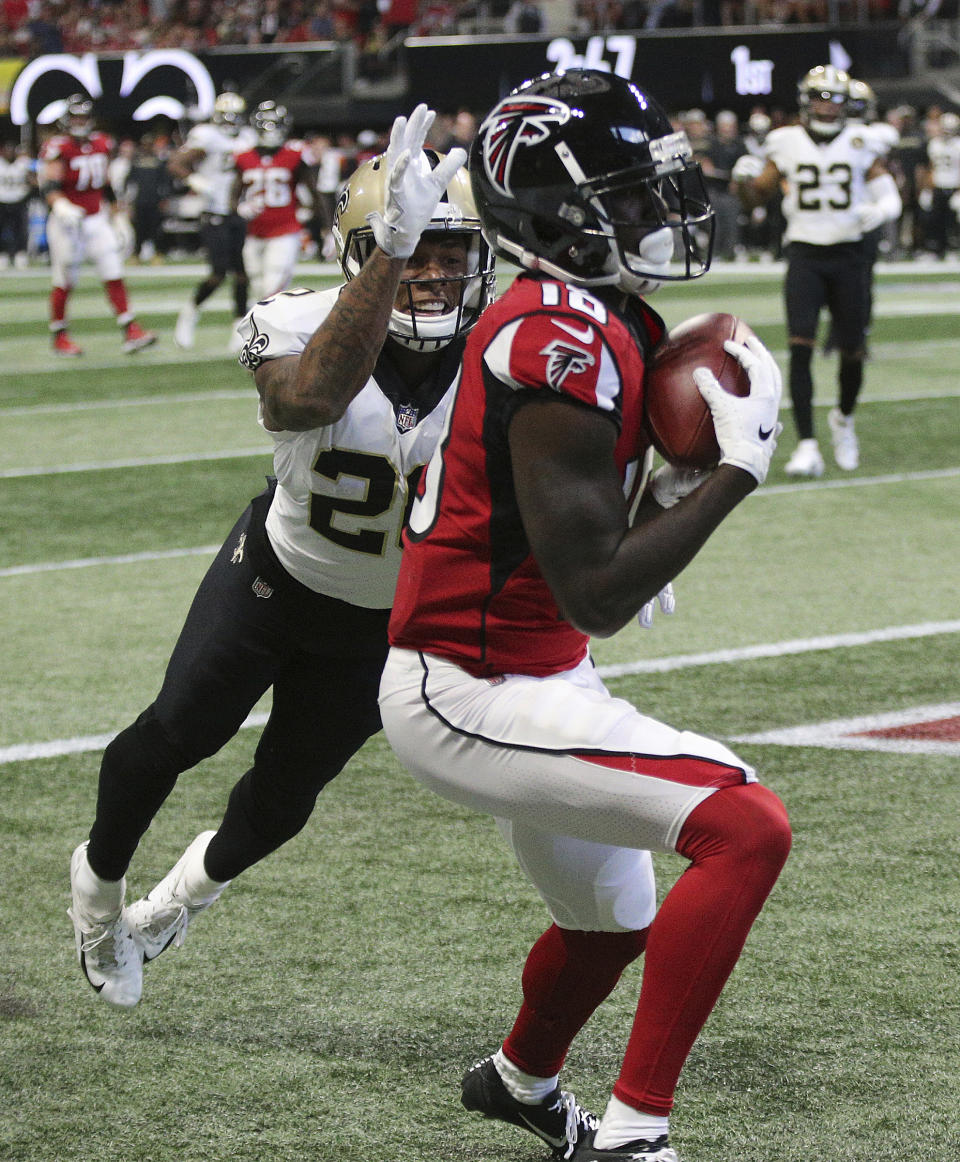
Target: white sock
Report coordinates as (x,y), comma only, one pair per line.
(523,1086)
(196,885)
(103,899)
(622,1123)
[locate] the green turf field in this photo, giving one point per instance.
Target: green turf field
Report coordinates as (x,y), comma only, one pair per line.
(326,1008)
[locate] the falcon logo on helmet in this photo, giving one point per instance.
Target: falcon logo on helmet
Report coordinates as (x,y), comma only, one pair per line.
(581,175)
(513,124)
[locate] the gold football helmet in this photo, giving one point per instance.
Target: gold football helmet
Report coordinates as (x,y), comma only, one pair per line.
(228,112)
(456,213)
(823,95)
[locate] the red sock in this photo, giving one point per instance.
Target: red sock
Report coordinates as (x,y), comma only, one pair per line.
(738,840)
(567,975)
(117,294)
(58,307)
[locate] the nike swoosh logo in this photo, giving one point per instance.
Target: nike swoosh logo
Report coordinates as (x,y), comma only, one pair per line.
(584,336)
(557,1142)
(765,435)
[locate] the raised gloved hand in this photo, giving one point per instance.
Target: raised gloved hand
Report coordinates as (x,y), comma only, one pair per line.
(746,426)
(413,189)
(124,232)
(666,601)
(67,212)
(746,167)
(671,483)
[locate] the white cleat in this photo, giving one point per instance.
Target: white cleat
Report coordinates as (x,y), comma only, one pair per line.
(108,955)
(183,332)
(806,460)
(846,447)
(161,917)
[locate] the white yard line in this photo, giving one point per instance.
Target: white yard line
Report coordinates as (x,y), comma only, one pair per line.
(133,462)
(854,733)
(84,743)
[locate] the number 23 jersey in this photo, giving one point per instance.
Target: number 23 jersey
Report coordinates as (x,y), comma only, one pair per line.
(469,589)
(343,491)
(825,181)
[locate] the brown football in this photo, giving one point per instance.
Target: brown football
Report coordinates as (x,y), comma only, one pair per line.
(676,415)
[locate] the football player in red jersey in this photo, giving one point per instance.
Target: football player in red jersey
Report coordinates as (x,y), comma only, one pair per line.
(521,544)
(266,195)
(73,179)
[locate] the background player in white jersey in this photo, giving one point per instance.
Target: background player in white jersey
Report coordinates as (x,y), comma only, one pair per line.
(18,180)
(943,182)
(205,164)
(838,190)
(85,220)
(520,544)
(353,387)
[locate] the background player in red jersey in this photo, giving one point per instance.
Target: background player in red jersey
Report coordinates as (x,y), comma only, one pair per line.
(73,179)
(266,195)
(521,543)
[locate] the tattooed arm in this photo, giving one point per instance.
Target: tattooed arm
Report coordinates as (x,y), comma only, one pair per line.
(313,389)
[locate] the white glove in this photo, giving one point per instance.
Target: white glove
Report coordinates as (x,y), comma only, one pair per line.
(69,213)
(249,208)
(870,216)
(747,167)
(668,603)
(413,189)
(746,426)
(955,203)
(199,184)
(925,200)
(124,232)
(671,483)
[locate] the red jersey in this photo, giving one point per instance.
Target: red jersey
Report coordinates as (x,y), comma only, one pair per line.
(85,164)
(469,588)
(270,179)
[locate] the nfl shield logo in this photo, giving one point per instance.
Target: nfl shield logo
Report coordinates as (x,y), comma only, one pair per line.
(407,417)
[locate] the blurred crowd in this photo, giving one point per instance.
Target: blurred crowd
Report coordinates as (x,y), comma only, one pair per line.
(165,214)
(31,28)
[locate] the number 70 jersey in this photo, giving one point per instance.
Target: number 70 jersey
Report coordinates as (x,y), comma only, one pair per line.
(343,491)
(824,180)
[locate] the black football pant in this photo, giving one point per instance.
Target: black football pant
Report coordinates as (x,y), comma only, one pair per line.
(250,627)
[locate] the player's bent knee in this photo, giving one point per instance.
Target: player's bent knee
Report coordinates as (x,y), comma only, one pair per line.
(748,823)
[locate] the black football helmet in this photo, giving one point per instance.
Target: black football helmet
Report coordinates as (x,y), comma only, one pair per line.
(76,120)
(581,175)
(272,124)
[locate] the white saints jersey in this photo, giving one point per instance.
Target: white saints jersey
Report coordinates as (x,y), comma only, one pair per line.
(14,179)
(944,156)
(343,491)
(824,181)
(216,166)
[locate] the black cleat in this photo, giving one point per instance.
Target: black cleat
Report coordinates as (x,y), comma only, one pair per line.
(557,1120)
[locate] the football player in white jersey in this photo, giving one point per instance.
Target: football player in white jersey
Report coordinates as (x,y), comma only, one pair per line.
(204,163)
(354,384)
(838,190)
(943,154)
(862,111)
